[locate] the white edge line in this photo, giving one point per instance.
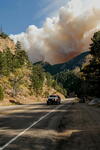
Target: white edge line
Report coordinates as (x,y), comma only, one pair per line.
(33,124)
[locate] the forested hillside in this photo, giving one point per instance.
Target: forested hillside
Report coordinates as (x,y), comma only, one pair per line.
(20,80)
(70,65)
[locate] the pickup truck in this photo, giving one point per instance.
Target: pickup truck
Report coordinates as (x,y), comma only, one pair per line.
(53,99)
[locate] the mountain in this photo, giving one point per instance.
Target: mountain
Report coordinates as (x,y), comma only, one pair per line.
(72,64)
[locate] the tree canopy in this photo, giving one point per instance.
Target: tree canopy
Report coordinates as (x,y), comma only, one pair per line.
(91,72)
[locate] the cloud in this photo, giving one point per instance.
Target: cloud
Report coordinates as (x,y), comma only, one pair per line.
(64,36)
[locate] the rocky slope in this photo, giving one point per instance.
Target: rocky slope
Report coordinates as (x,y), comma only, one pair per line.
(6,43)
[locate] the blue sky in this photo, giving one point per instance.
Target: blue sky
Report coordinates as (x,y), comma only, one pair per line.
(17,15)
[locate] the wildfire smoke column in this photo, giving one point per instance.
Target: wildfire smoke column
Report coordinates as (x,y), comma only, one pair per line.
(64,36)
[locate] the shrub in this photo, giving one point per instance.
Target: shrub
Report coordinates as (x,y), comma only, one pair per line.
(46,94)
(1,93)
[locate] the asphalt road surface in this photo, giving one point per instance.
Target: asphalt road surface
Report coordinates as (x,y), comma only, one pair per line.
(54,127)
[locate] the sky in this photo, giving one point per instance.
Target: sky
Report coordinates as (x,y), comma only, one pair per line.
(53,31)
(17,15)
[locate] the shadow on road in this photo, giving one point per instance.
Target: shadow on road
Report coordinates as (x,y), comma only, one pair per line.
(73,129)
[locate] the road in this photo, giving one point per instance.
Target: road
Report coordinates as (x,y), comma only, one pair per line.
(55,127)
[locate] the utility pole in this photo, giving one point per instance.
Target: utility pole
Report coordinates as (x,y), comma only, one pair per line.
(1,30)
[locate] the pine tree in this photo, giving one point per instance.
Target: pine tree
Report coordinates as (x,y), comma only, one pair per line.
(37,78)
(91,72)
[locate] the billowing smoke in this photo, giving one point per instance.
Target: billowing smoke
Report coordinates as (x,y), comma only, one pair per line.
(64,36)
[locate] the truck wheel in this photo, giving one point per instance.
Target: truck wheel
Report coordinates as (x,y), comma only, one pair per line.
(48,103)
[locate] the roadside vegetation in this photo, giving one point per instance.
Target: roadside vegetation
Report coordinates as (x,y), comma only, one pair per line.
(70,81)
(20,78)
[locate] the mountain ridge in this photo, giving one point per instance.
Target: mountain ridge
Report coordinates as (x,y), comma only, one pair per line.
(70,65)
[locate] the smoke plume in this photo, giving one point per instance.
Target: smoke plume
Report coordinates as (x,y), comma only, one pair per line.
(64,36)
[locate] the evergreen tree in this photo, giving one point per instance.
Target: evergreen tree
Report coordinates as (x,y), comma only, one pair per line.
(20,57)
(69,80)
(1,93)
(95,46)
(18,46)
(91,72)
(37,78)
(4,64)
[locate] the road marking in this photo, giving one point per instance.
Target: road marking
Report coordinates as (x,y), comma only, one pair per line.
(33,124)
